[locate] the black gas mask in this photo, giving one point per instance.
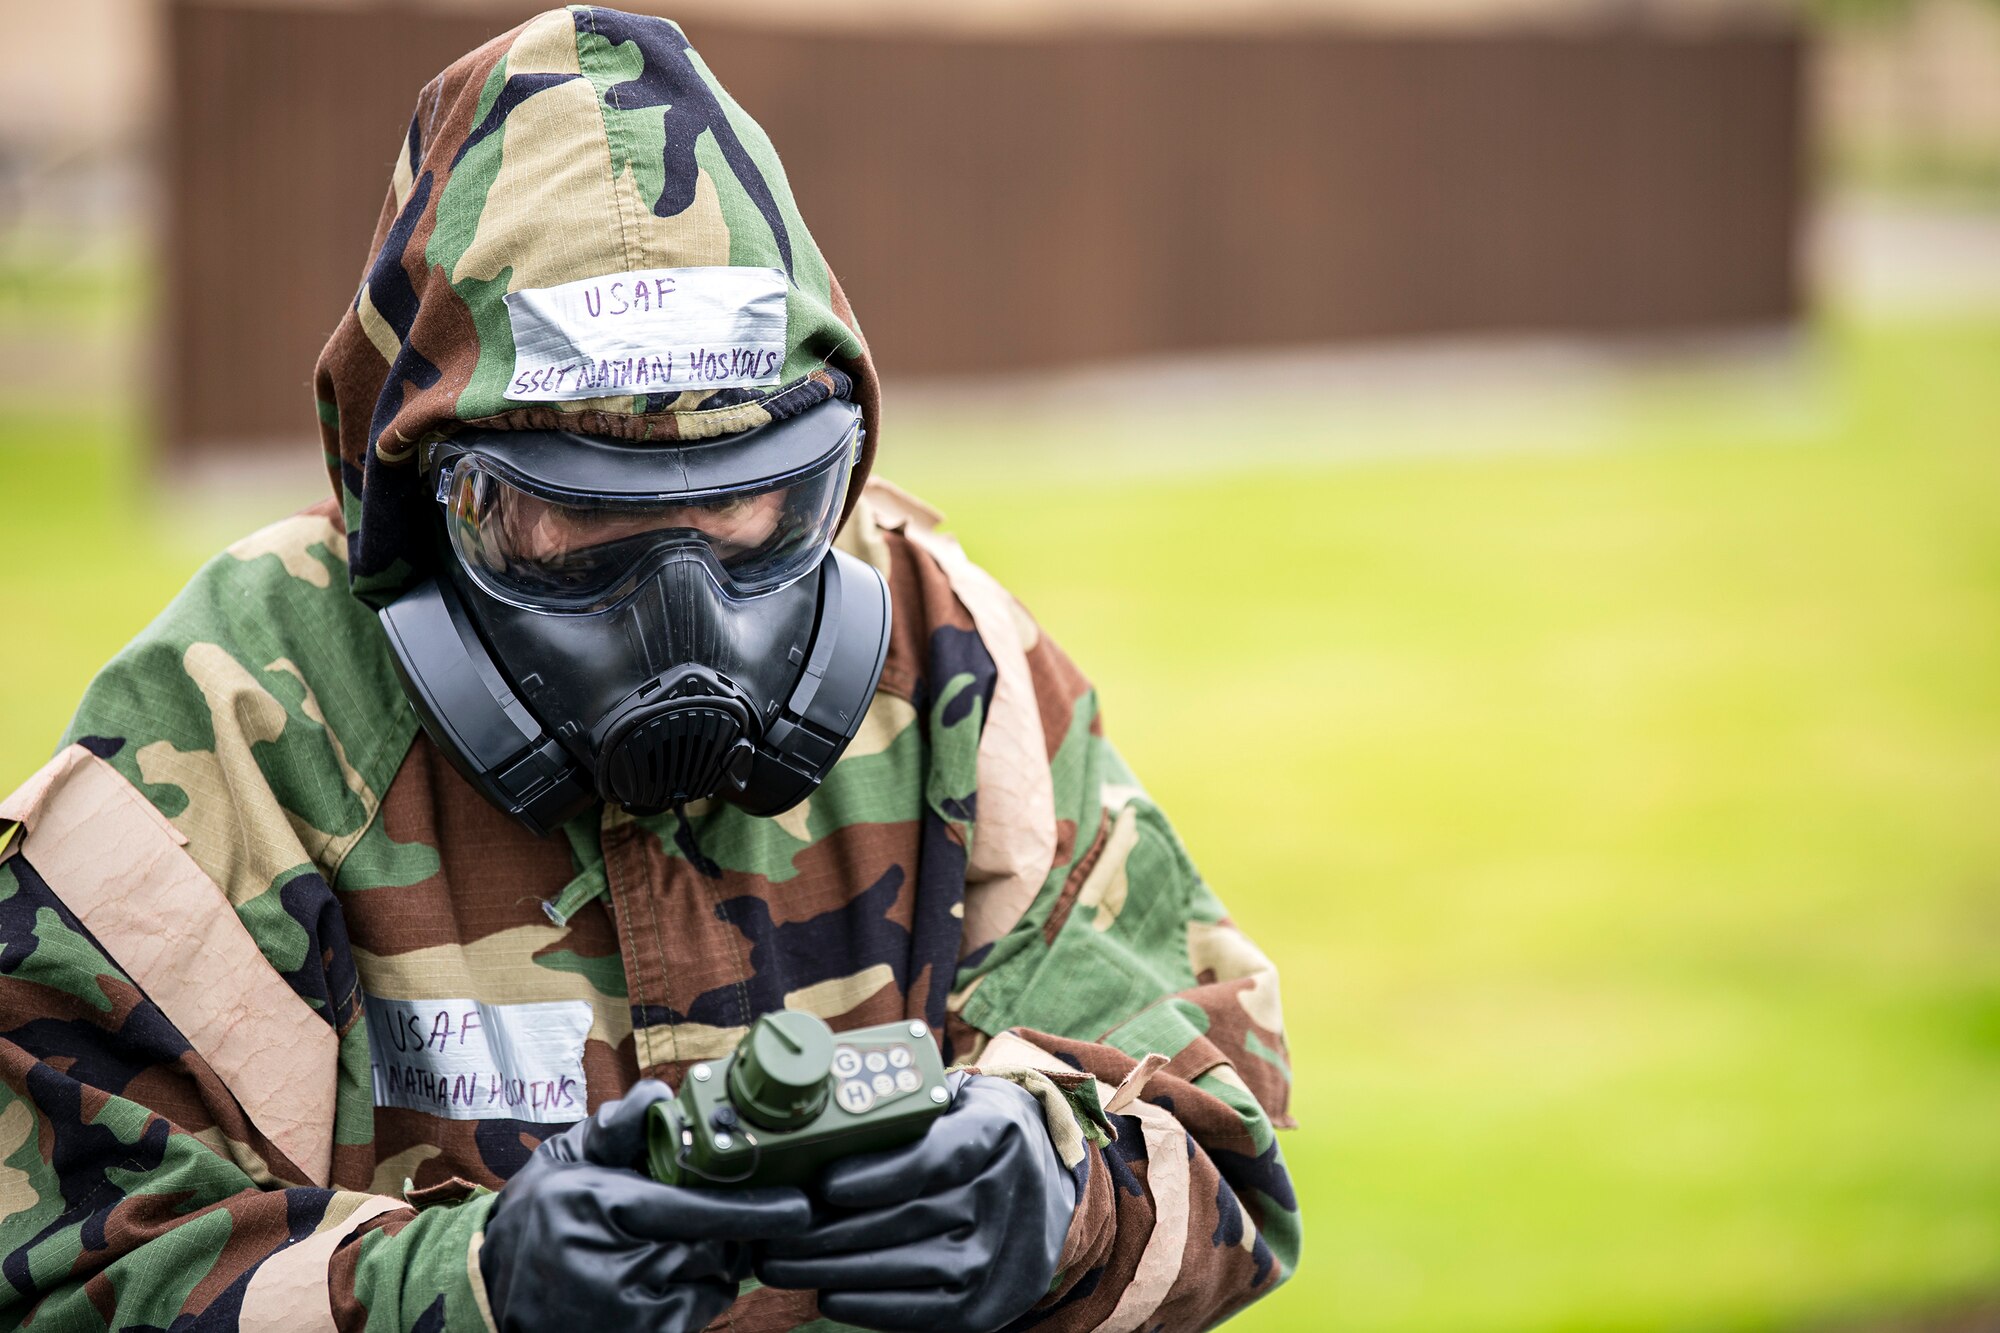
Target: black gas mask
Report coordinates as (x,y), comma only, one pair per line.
(640,624)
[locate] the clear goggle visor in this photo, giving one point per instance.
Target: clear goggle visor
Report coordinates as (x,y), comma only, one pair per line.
(538,548)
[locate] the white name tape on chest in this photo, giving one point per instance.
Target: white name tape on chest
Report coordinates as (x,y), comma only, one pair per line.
(467,1060)
(656,330)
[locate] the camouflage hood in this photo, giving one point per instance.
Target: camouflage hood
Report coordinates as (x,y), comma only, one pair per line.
(583,232)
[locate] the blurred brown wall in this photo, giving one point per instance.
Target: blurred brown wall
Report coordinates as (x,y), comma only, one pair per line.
(999,201)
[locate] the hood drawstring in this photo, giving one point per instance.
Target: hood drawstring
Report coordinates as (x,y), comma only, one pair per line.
(690,845)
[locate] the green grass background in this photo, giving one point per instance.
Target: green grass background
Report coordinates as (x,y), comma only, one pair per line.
(1615,782)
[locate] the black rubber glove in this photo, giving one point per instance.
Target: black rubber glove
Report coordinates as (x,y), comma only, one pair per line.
(960,1230)
(580,1239)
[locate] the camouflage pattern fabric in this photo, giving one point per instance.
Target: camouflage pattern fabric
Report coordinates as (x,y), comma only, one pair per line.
(246,844)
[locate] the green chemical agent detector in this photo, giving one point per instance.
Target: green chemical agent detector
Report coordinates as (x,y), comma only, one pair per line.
(792,1097)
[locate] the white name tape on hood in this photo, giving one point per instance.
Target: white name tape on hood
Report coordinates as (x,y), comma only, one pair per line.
(655,330)
(469,1060)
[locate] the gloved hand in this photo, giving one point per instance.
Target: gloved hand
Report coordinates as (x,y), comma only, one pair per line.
(581,1239)
(959,1230)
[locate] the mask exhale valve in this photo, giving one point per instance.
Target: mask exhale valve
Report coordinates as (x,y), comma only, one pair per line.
(692,743)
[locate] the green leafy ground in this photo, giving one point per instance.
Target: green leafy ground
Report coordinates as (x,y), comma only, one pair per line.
(1617,782)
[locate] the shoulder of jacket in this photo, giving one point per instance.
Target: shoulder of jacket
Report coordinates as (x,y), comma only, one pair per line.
(263,695)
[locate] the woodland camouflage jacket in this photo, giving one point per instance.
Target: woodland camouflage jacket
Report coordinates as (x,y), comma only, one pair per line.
(247,852)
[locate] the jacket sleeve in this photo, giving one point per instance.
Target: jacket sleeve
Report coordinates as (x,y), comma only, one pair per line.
(1125,983)
(166,1103)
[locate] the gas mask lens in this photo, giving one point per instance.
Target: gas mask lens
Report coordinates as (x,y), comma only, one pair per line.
(536,547)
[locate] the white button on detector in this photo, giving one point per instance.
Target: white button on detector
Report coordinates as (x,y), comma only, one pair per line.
(854,1097)
(900,1057)
(876,1062)
(907,1080)
(884,1085)
(847,1062)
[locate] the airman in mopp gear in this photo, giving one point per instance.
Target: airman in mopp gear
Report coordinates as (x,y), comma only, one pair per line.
(386,883)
